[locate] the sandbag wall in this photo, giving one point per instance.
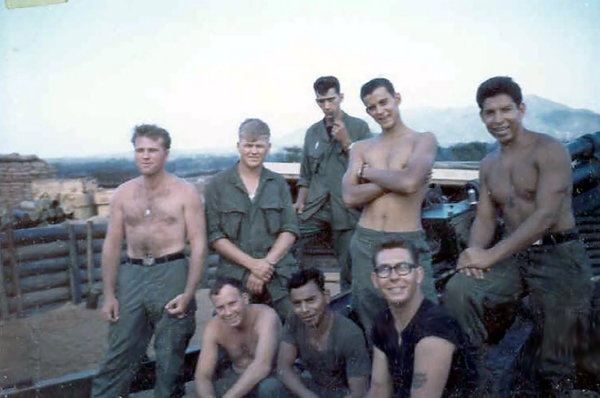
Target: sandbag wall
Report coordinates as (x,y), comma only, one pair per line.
(43,266)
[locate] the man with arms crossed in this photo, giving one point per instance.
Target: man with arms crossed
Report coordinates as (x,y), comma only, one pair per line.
(331,347)
(527,180)
(251,221)
(153,291)
(419,350)
(249,333)
(388,175)
(325,158)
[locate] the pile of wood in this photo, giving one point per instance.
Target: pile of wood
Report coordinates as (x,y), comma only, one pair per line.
(41,212)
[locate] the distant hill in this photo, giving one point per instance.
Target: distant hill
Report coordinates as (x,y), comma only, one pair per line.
(460,125)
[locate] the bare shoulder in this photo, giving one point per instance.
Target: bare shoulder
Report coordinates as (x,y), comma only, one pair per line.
(547,146)
(126,189)
(363,145)
(213,329)
(427,137)
(265,316)
(426,141)
(182,187)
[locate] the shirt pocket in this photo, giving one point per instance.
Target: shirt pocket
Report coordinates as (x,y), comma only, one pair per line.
(231,220)
(272,212)
(315,157)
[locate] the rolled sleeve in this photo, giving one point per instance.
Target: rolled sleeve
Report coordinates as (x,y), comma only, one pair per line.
(213,222)
(289,220)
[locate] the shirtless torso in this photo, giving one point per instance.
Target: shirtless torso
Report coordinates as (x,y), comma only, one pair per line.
(389,174)
(249,333)
(154,219)
(398,211)
(155,213)
(512,181)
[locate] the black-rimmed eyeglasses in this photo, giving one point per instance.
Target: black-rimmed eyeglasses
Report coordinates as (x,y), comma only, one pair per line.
(401,269)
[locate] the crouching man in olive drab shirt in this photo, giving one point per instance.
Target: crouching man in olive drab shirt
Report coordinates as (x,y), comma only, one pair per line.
(152,292)
(251,222)
(319,205)
(331,347)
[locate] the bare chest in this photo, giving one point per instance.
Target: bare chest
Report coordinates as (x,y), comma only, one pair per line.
(512,180)
(240,347)
(393,155)
(159,208)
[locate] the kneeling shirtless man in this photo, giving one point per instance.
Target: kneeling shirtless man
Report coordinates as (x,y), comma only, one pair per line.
(249,333)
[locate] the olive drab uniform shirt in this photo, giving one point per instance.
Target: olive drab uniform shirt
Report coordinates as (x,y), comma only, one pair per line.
(324,163)
(252,225)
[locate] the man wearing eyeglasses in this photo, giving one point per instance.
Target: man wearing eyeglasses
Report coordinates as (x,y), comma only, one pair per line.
(418,349)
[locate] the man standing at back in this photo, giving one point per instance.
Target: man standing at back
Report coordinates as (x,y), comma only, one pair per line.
(527,181)
(152,292)
(388,175)
(251,221)
(325,158)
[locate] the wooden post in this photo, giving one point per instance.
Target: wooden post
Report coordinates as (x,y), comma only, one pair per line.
(75,275)
(90,255)
(12,252)
(3,298)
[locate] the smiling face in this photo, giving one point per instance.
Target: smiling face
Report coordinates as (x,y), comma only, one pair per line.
(230,305)
(502,117)
(383,107)
(253,149)
(310,303)
(150,155)
(397,289)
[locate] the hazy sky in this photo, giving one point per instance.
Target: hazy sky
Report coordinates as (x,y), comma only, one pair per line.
(76,77)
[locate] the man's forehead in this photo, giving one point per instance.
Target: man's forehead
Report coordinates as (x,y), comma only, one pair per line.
(329,94)
(377,95)
(393,256)
(252,137)
(306,290)
(498,100)
(145,141)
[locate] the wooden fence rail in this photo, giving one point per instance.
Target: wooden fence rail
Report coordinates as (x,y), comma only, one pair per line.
(43,266)
(49,265)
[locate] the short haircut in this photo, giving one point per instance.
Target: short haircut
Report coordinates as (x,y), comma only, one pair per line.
(304,276)
(153,132)
(324,83)
(255,127)
(221,282)
(374,84)
(499,85)
(396,243)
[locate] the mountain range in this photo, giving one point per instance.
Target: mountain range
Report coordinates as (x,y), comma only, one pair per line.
(461,125)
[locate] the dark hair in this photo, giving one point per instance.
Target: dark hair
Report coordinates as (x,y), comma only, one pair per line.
(396,243)
(220,282)
(499,85)
(324,83)
(374,84)
(255,127)
(304,276)
(153,132)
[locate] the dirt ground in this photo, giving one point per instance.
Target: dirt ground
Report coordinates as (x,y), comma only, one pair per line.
(71,339)
(64,340)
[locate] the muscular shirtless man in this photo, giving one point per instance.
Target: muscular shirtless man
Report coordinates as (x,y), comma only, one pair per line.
(249,333)
(527,181)
(152,292)
(389,176)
